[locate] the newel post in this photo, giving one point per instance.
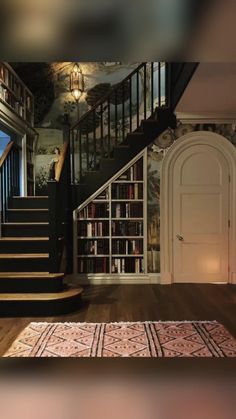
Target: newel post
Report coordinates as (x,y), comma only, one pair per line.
(53,227)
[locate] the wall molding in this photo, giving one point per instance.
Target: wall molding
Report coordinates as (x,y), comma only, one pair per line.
(206,118)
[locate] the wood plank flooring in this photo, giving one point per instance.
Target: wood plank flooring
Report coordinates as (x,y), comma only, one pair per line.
(107,303)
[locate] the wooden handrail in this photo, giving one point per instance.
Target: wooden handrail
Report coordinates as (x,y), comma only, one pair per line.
(61,161)
(6,152)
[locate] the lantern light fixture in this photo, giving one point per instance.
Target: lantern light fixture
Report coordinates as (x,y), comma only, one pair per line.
(76,82)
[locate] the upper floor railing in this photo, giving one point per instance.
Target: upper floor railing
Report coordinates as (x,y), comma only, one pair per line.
(15,95)
(117,114)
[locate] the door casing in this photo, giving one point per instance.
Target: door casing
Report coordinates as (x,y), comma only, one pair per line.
(224,146)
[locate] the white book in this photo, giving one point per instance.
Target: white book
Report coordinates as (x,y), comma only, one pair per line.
(123,266)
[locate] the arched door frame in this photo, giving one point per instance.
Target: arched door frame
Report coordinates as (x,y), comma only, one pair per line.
(224,146)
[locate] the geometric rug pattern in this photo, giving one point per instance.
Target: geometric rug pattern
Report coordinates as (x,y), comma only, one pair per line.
(140,339)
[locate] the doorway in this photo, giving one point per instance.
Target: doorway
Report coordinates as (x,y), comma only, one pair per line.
(197,207)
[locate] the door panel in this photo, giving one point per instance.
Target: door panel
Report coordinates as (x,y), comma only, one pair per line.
(201,213)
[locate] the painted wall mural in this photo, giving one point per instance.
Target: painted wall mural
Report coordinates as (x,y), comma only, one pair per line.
(156,153)
(54,104)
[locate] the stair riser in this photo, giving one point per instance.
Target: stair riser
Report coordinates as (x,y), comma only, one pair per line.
(27,216)
(24,247)
(30,285)
(27,203)
(40,308)
(25,231)
(24,265)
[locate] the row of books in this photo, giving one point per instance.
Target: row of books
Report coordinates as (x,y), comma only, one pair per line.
(10,99)
(127,247)
(93,265)
(95,211)
(124,228)
(127,210)
(123,191)
(93,229)
(127,265)
(10,80)
(134,173)
(93,247)
(104,195)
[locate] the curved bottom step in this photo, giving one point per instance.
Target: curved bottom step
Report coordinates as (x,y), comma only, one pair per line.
(31,282)
(40,304)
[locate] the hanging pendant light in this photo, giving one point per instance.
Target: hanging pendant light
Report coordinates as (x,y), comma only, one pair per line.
(76,82)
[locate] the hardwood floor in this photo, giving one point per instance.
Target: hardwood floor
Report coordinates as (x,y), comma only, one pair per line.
(107,303)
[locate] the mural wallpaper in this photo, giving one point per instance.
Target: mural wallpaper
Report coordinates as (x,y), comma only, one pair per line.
(156,153)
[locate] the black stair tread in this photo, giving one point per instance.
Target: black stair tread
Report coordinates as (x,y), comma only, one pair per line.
(24,223)
(61,295)
(30,197)
(32,239)
(24,255)
(30,275)
(28,209)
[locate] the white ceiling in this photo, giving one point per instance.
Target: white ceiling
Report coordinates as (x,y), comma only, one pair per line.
(211,90)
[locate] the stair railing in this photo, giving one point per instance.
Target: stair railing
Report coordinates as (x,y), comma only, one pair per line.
(9,178)
(117,114)
(60,223)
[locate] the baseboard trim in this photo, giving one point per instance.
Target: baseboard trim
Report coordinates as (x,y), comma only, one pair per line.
(114,279)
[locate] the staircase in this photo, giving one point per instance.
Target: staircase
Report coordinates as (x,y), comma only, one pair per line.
(27,284)
(119,126)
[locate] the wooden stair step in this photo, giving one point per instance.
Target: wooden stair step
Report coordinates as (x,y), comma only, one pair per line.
(31,197)
(28,239)
(30,275)
(19,304)
(25,224)
(27,209)
(24,255)
(67,293)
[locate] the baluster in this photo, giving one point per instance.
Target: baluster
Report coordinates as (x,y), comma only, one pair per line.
(94,140)
(116,130)
(12,174)
(167,85)
(73,157)
(123,112)
(80,153)
(101,126)
(137,99)
(18,174)
(87,147)
(109,125)
(159,84)
(152,88)
(130,104)
(145,90)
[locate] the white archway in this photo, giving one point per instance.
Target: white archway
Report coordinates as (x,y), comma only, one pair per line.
(224,146)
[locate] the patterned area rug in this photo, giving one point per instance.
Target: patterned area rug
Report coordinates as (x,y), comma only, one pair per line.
(148,339)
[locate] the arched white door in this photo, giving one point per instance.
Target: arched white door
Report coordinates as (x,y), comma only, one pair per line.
(200,215)
(198,206)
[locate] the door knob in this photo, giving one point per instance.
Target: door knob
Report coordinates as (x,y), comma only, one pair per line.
(180,238)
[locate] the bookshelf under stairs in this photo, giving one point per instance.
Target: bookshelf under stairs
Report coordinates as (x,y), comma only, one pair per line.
(110,228)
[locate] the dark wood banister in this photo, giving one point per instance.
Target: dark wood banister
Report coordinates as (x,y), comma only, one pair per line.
(6,152)
(106,96)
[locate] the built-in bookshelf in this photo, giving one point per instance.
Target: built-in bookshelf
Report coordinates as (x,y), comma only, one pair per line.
(110,228)
(15,95)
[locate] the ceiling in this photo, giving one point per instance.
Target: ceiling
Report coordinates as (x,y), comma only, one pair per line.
(211,90)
